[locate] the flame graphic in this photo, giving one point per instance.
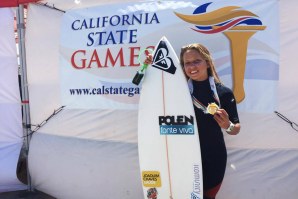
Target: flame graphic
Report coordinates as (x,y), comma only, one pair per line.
(238,26)
(221,19)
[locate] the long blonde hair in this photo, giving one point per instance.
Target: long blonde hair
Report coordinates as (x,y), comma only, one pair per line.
(204,52)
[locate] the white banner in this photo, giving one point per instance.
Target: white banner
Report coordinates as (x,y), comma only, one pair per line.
(100,47)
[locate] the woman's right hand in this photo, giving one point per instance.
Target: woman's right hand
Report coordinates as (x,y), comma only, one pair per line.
(148,59)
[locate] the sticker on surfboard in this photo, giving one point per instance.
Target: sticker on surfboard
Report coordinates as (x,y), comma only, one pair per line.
(162,60)
(168,141)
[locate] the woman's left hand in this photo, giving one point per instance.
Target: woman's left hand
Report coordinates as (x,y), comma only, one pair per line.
(222,118)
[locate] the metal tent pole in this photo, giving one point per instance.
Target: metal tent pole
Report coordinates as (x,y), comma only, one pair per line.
(24,85)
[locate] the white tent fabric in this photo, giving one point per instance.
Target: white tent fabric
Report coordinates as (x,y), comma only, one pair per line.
(69,158)
(10,106)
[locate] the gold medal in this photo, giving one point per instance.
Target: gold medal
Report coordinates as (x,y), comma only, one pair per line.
(212,108)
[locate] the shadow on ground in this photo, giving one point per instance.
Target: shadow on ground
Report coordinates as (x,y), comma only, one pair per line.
(24,194)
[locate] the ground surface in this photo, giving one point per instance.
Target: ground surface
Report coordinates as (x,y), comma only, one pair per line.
(24,194)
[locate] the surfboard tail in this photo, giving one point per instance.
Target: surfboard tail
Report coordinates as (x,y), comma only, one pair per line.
(138,78)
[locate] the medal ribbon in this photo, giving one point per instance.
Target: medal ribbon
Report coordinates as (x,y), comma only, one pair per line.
(213,88)
(199,105)
(196,102)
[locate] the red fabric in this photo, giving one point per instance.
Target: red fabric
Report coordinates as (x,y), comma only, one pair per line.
(211,193)
(14,3)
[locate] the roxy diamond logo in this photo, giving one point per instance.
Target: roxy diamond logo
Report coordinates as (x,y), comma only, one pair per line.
(162,60)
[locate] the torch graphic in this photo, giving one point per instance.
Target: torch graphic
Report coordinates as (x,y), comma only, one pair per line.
(238,26)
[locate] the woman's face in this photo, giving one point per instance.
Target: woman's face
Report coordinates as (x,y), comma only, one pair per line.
(195,66)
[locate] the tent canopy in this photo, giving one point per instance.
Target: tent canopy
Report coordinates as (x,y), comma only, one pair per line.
(14,3)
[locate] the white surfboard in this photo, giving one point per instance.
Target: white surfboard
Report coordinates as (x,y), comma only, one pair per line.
(168,141)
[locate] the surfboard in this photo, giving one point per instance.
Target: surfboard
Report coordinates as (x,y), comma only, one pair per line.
(168,141)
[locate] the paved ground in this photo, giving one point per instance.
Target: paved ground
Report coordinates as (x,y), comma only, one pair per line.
(25,195)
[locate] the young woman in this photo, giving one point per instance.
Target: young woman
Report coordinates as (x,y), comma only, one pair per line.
(206,88)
